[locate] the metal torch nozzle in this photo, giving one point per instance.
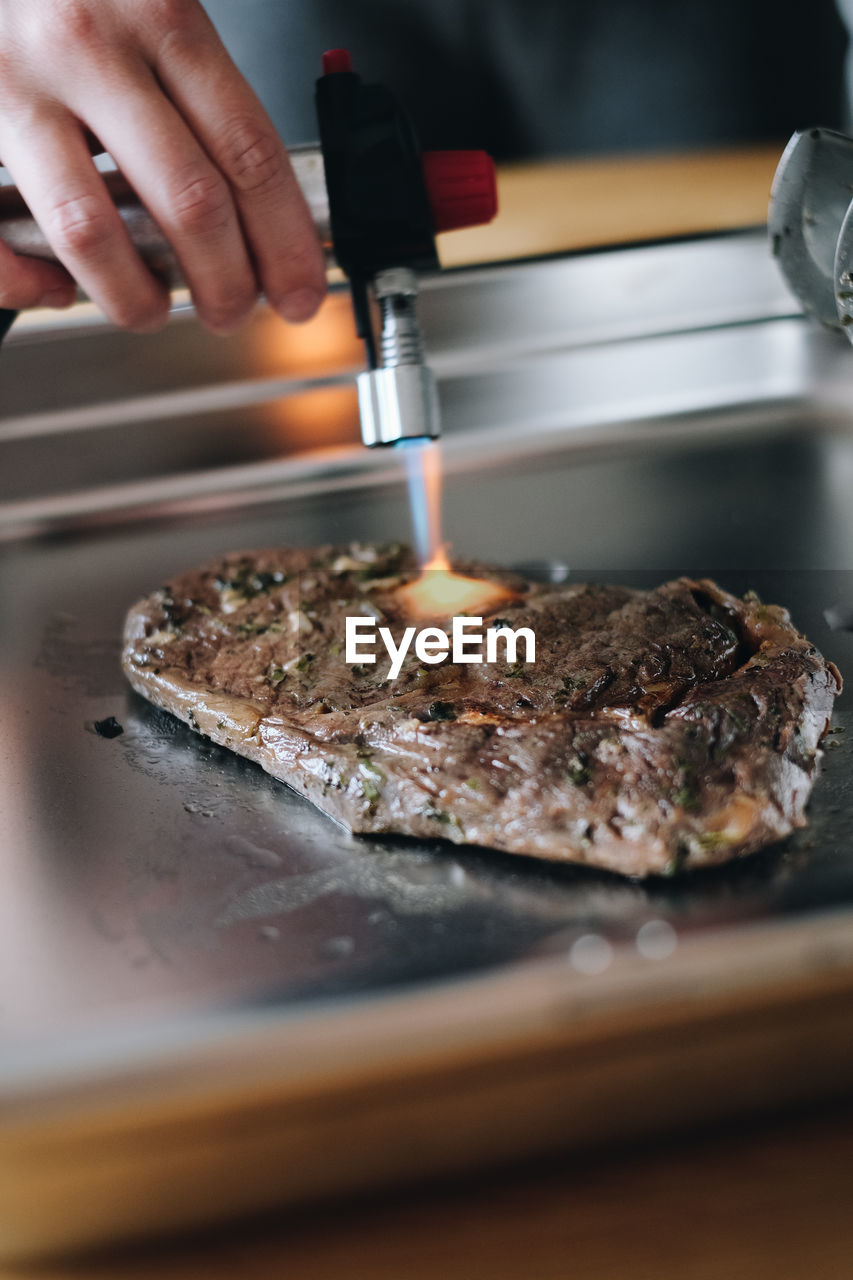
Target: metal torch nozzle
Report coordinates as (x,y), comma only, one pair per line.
(398,401)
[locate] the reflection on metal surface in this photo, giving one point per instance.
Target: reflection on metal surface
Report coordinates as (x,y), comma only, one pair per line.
(324,346)
(840,617)
(656,940)
(591,954)
(316,419)
(544,570)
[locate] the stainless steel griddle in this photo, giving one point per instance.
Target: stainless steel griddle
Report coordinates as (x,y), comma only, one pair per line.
(212,999)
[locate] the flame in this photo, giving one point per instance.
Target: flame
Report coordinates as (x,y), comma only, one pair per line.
(441,593)
(423,464)
(439,562)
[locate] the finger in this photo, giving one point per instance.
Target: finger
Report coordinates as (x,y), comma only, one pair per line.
(185,193)
(55,175)
(224,113)
(28,282)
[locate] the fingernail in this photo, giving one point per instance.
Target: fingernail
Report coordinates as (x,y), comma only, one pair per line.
(59,298)
(300,305)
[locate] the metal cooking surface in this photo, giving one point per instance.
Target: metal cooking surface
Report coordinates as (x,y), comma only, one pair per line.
(156,873)
(631,414)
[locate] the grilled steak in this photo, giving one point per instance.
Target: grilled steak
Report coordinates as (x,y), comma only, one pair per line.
(656,730)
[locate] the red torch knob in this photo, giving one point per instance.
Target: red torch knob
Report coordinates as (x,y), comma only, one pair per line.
(336,61)
(462,188)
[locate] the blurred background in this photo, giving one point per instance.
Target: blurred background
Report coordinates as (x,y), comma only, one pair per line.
(529,79)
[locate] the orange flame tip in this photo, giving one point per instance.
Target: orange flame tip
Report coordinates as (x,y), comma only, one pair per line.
(441,593)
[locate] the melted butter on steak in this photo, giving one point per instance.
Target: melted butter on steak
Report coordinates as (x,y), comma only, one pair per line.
(656,730)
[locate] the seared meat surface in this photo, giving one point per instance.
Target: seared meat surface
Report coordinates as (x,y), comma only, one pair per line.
(657,730)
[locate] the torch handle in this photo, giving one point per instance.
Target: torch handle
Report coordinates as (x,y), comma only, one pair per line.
(21,233)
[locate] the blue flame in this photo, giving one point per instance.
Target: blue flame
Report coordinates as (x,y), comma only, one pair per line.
(427,538)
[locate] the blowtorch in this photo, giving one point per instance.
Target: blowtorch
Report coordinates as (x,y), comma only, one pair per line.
(377,202)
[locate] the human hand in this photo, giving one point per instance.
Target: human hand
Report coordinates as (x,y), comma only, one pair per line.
(151,80)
